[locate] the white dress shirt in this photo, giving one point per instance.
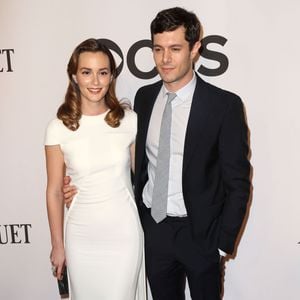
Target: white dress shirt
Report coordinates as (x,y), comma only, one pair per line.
(181,107)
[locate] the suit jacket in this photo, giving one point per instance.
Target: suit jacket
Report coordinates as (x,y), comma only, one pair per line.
(215,173)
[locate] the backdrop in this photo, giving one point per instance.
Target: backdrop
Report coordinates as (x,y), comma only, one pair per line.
(251,47)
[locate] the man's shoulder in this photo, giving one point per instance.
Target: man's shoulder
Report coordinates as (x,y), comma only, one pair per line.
(146,93)
(150,87)
(217,93)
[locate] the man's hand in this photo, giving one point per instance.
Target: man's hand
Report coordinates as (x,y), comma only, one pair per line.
(69,191)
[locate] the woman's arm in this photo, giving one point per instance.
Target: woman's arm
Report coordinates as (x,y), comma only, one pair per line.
(55,205)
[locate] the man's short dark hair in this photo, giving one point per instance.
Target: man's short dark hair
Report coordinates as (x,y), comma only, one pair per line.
(172,18)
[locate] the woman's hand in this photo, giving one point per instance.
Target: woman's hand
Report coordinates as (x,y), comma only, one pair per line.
(58,261)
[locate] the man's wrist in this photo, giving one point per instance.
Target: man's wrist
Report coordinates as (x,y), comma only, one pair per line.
(222,253)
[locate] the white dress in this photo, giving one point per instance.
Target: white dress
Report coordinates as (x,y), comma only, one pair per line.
(103,237)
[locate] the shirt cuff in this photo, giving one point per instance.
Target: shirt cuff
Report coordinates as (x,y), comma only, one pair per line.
(222,253)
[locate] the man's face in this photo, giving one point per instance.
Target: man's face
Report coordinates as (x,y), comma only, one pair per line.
(173,58)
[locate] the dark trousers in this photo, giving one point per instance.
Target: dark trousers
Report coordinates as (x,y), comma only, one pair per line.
(172,256)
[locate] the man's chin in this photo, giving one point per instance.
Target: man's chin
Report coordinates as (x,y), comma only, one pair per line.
(166,79)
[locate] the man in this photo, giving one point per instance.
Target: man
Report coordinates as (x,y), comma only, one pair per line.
(191,167)
(208,177)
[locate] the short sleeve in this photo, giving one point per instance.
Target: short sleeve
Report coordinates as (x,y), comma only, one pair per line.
(52,135)
(133,125)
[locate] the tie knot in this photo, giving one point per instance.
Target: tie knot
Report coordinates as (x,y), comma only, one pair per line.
(171,96)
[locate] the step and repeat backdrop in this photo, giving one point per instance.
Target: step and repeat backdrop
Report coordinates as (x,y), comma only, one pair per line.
(251,47)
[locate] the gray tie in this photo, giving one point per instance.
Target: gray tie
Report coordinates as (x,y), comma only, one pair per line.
(160,188)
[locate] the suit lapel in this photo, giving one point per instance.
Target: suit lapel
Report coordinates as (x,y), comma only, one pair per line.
(147,110)
(146,103)
(196,122)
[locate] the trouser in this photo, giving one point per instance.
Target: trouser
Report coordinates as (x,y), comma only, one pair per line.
(172,256)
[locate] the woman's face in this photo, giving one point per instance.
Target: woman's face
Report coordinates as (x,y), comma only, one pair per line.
(93,77)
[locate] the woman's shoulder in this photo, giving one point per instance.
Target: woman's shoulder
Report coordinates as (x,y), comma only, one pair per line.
(57,128)
(129,120)
(54,132)
(130,115)
(55,124)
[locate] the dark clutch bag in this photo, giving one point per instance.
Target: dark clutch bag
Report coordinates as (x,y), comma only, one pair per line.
(63,285)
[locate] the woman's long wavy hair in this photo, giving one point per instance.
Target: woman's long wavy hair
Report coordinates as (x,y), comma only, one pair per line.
(70,111)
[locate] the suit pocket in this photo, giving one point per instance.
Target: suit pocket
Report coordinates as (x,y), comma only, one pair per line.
(205,219)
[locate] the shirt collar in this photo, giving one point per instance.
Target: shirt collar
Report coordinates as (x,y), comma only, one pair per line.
(183,93)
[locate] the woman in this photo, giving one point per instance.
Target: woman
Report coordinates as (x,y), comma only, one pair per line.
(92,140)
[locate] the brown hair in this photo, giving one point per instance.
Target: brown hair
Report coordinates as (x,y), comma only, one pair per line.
(70,111)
